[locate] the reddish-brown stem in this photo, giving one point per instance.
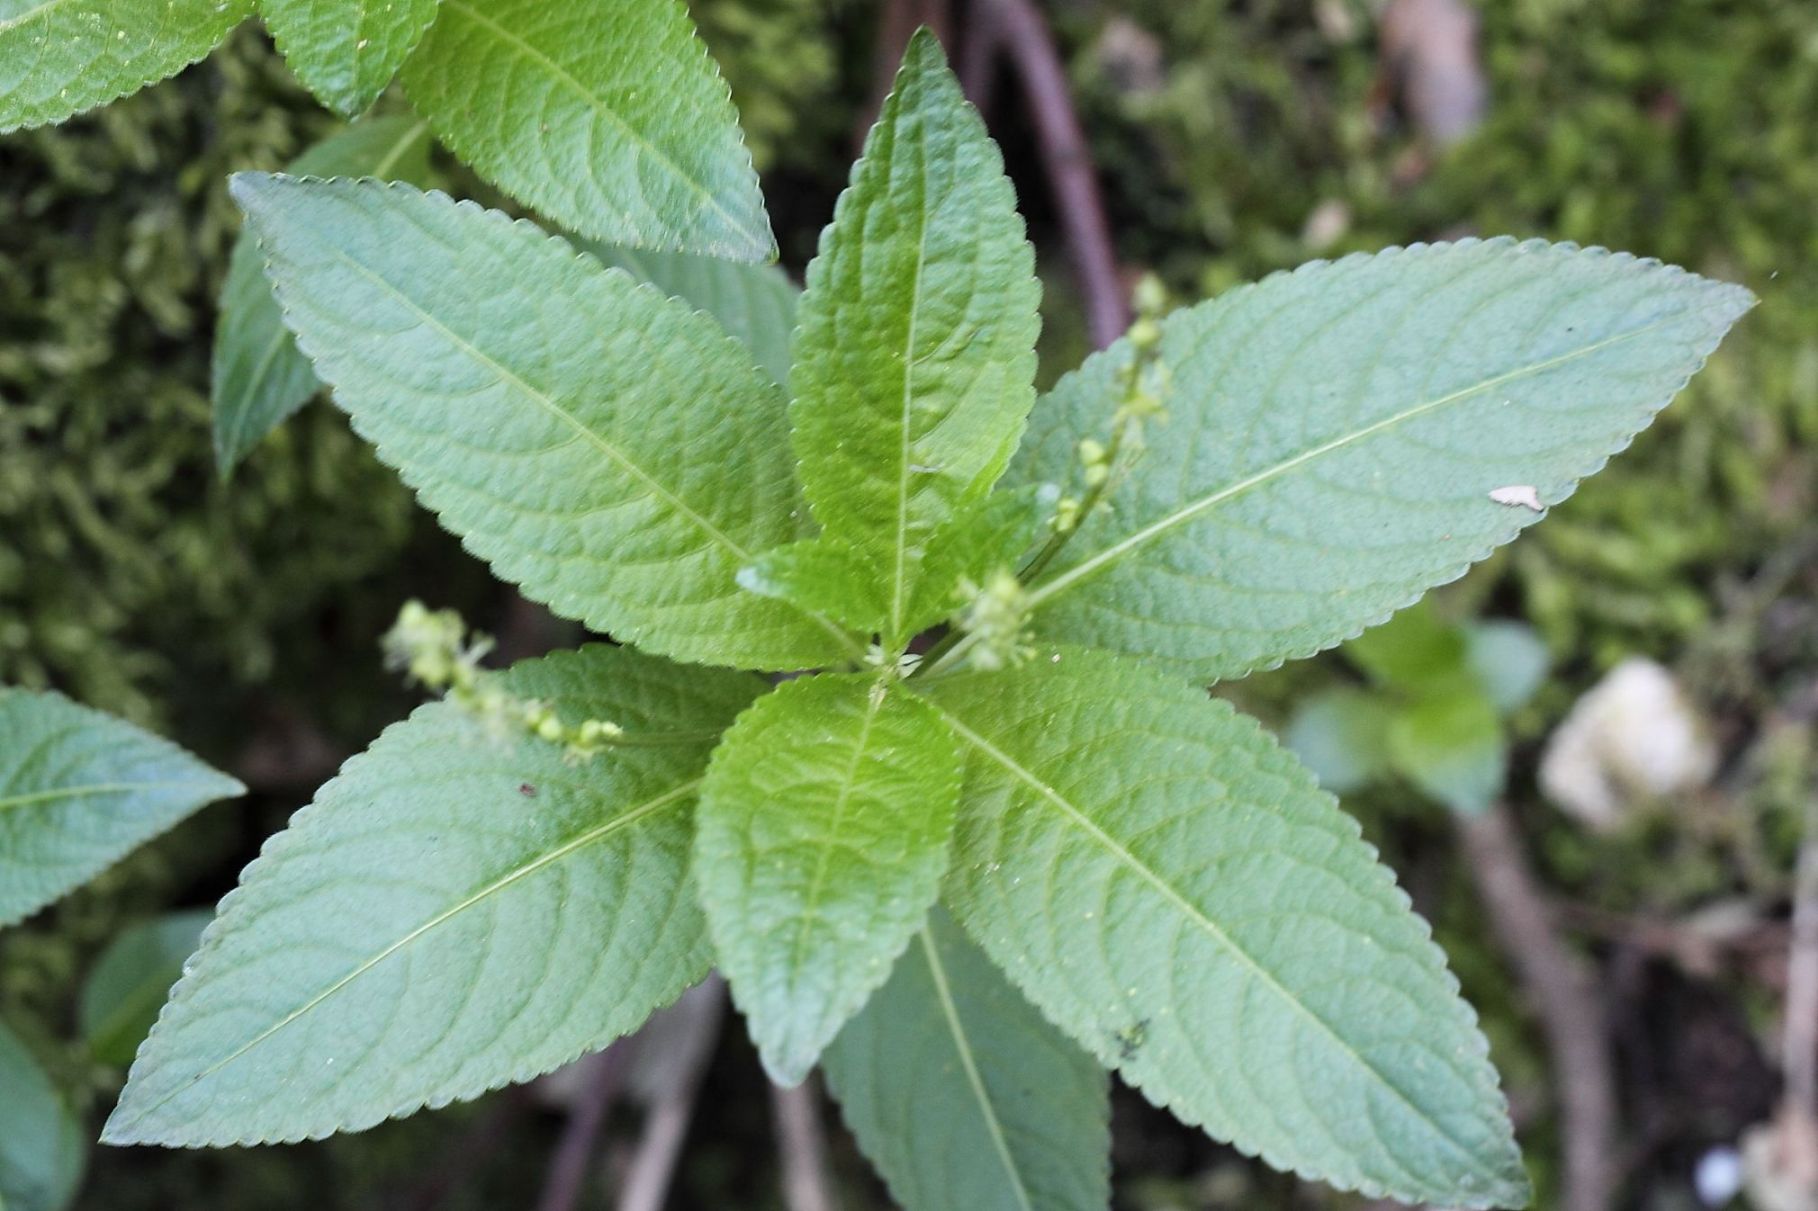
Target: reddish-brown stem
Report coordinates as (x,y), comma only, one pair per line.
(1027,40)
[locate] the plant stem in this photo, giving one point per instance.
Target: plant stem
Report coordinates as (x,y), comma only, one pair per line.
(574,1155)
(1023,33)
(802,1146)
(1560,989)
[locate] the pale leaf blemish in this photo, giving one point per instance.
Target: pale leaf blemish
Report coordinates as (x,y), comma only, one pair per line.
(1525,496)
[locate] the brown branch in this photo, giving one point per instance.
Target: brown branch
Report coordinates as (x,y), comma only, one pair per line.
(1799,1054)
(698,1015)
(896,25)
(574,1155)
(1029,44)
(981,44)
(1559,988)
(802,1146)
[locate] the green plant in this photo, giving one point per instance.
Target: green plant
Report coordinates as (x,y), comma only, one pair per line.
(1434,711)
(525,870)
(78,790)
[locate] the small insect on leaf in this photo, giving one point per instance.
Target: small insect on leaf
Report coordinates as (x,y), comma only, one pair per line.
(1524,496)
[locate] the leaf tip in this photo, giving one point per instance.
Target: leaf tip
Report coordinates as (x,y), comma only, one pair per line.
(249,190)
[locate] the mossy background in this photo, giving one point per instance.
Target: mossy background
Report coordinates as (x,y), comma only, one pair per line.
(241,617)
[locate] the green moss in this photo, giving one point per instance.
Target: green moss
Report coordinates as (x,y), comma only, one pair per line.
(127,569)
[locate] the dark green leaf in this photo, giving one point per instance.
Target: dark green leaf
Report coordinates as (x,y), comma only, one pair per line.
(611,450)
(347,51)
(1172,889)
(60,57)
(755,303)
(127,987)
(78,791)
(260,378)
(41,1144)
(963,1095)
(605,115)
(464,906)
(1335,436)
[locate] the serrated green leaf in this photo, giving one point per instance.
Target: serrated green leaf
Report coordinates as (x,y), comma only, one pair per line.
(1342,736)
(1173,890)
(1335,435)
(823,835)
(347,51)
(260,378)
(1451,746)
(609,449)
(60,57)
(605,115)
(963,1095)
(1510,661)
(462,907)
(918,326)
(41,1145)
(79,790)
(755,303)
(123,992)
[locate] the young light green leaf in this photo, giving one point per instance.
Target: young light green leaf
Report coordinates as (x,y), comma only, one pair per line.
(464,906)
(1451,746)
(606,115)
(990,536)
(825,576)
(1415,652)
(609,449)
(963,1095)
(1510,661)
(347,51)
(1342,736)
(60,57)
(1336,435)
(755,303)
(918,326)
(1173,890)
(260,378)
(823,835)
(122,995)
(41,1144)
(78,791)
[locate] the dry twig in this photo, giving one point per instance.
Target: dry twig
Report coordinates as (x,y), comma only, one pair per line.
(1560,989)
(802,1145)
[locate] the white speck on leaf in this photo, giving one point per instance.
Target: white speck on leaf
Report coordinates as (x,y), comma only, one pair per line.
(1526,496)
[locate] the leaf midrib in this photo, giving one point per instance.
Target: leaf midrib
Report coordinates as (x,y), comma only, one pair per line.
(1187,512)
(1084,823)
(104,788)
(549,404)
(624,820)
(823,860)
(899,574)
(963,1045)
(598,105)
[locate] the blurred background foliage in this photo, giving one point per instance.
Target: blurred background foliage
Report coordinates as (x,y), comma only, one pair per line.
(1233,138)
